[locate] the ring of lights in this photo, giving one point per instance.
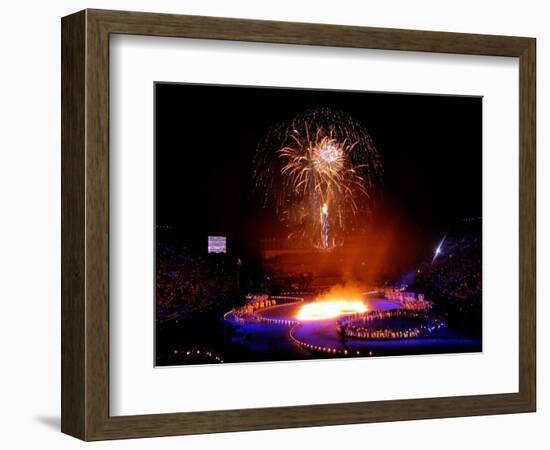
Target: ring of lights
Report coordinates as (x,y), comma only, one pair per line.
(360,326)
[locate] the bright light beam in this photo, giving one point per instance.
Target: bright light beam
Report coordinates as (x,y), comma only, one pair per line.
(438,249)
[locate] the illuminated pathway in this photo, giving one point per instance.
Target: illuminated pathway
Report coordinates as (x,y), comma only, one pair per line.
(278,332)
(320,336)
(319,333)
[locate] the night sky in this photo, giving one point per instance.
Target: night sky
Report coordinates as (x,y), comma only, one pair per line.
(206,137)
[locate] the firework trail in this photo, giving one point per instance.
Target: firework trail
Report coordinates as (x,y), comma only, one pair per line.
(318,169)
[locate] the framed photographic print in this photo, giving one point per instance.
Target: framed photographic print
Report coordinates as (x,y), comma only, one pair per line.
(270,224)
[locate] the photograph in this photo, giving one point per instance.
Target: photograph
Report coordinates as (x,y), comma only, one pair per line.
(302,224)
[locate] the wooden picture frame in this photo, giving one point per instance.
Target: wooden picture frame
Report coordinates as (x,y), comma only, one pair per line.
(85,224)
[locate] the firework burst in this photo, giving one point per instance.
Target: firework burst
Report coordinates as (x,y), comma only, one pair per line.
(321,161)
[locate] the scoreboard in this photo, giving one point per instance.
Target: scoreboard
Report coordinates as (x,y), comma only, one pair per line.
(216,244)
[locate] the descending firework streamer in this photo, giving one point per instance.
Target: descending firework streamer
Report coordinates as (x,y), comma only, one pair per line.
(322,160)
(324,226)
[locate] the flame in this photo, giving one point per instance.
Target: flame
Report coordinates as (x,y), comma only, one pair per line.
(328,309)
(324,209)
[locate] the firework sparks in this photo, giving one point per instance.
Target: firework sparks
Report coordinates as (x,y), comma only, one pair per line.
(320,160)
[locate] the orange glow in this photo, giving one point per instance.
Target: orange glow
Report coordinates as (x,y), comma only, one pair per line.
(328,309)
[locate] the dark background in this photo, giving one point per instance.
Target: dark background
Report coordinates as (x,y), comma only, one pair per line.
(206,138)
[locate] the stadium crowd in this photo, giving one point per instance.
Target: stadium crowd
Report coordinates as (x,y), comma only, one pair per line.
(186,284)
(455,273)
